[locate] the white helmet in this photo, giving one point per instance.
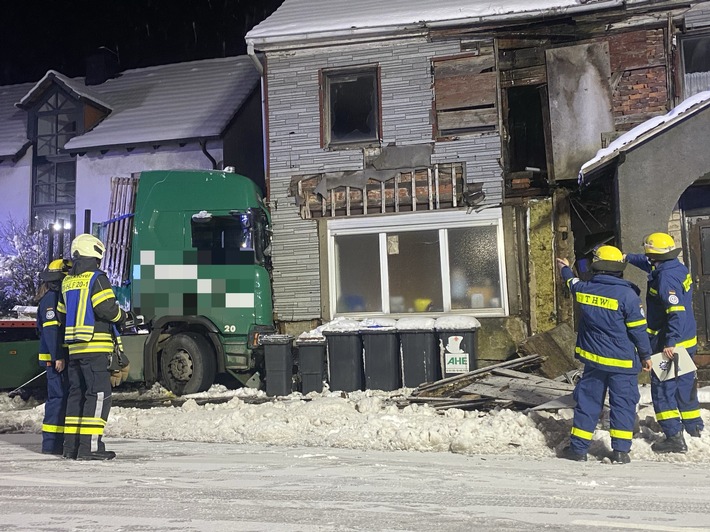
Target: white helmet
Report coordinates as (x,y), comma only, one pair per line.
(86,245)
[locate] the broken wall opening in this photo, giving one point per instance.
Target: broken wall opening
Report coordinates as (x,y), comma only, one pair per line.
(526,131)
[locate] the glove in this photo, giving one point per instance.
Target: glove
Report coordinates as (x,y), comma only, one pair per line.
(120,375)
(115,378)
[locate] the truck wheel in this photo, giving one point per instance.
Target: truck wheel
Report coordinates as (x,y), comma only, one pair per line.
(187,364)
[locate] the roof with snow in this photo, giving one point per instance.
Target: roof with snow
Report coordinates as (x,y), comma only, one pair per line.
(167,103)
(643,132)
(13,122)
(75,87)
(296,20)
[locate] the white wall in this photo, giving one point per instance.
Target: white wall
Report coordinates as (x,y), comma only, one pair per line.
(93,177)
(15,184)
(94,172)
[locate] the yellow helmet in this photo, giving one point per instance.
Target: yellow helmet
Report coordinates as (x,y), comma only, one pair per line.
(609,259)
(86,245)
(660,246)
(56,270)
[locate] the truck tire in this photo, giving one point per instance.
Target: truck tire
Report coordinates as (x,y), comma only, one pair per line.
(188,364)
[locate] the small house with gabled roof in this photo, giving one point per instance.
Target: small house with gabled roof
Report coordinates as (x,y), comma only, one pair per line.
(63,140)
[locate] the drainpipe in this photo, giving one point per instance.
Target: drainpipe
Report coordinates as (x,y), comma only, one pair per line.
(265,150)
(252,54)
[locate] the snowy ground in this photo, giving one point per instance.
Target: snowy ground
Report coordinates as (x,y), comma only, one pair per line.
(334,462)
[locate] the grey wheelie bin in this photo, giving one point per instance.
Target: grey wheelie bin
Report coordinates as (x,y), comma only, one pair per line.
(457,343)
(381,354)
(278,358)
(344,355)
(419,351)
(311,363)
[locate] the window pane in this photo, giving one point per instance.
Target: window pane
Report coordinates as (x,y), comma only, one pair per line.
(696,53)
(357,273)
(45,125)
(474,267)
(353,107)
(46,145)
(413,262)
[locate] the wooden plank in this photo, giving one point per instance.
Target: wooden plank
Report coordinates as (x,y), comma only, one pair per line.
(521,58)
(557,345)
(512,43)
(512,389)
(518,362)
(535,380)
(523,76)
(467,119)
(463,66)
(466,90)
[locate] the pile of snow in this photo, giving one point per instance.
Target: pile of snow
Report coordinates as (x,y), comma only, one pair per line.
(358,420)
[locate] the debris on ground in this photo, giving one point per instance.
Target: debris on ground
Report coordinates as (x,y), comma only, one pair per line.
(542,377)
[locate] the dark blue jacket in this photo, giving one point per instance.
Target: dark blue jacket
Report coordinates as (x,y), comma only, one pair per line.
(51,332)
(669,303)
(612,327)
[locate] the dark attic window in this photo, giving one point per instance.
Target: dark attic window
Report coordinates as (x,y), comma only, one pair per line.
(351,112)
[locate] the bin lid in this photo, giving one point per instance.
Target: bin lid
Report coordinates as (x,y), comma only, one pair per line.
(272,339)
(378,325)
(416,324)
(455,322)
(308,339)
(341,325)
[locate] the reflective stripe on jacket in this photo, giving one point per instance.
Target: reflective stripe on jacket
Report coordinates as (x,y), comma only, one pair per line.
(612,326)
(91,311)
(669,303)
(50,329)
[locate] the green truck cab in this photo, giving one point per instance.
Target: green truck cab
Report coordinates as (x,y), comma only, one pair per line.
(200,277)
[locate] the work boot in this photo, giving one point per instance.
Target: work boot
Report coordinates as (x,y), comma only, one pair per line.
(52,451)
(97,455)
(672,444)
(69,455)
(620,457)
(568,454)
(695,432)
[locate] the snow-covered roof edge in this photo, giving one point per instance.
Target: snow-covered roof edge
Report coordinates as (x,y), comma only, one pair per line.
(333,24)
(77,88)
(645,131)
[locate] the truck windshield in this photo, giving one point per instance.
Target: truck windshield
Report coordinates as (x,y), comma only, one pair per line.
(237,238)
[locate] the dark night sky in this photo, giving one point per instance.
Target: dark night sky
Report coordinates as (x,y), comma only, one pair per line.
(36,35)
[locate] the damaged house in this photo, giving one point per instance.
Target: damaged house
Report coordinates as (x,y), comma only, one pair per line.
(423,157)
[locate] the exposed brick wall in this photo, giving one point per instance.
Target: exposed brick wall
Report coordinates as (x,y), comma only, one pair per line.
(640,55)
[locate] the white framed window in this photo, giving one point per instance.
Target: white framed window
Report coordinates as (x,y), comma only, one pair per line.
(351,107)
(413,263)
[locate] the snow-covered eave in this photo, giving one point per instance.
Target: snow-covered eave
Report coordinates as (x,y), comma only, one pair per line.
(56,77)
(308,39)
(641,134)
(287,38)
(16,152)
(81,149)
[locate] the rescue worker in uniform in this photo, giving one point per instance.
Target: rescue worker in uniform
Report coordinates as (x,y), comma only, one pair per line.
(90,311)
(52,355)
(613,346)
(671,323)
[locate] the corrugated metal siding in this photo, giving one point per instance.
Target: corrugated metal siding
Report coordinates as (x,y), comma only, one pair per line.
(698,16)
(696,82)
(294,147)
